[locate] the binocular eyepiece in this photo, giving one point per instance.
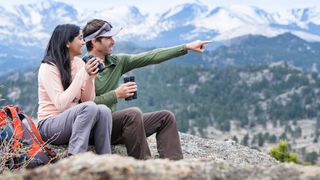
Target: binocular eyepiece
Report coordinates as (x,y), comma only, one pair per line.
(88,57)
(130,79)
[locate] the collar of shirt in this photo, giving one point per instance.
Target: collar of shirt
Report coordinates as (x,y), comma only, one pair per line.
(111,61)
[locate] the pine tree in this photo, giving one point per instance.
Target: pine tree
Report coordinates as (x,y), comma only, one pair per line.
(282,154)
(260,139)
(245,140)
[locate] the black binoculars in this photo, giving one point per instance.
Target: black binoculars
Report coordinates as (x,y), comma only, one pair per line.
(130,79)
(88,57)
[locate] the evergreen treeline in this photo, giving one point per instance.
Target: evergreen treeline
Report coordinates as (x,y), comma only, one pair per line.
(202,97)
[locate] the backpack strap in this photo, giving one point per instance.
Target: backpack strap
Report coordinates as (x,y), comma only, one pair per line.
(3,117)
(18,131)
(36,135)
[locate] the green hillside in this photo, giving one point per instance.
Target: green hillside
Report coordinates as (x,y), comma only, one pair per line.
(202,97)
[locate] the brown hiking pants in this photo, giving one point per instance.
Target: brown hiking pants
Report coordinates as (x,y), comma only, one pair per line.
(131,127)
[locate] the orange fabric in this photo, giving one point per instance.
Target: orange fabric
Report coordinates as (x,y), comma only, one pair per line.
(3,118)
(34,149)
(37,134)
(17,127)
(20,131)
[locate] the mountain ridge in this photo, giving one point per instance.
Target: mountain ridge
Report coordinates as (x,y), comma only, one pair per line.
(187,21)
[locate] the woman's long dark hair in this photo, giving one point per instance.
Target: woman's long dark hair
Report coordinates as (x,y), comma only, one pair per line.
(58,54)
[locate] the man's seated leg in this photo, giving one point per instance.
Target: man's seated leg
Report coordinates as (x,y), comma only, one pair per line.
(164,124)
(128,129)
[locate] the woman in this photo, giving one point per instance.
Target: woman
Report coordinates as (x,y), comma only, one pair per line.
(63,82)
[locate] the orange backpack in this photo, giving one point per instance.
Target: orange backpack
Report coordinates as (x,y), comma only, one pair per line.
(25,146)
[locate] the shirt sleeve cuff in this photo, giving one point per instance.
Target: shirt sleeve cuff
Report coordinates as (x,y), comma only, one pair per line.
(115,99)
(182,49)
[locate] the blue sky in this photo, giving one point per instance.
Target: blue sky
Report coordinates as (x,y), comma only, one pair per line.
(156,6)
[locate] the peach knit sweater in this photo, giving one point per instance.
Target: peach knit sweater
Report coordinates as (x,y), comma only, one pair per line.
(53,99)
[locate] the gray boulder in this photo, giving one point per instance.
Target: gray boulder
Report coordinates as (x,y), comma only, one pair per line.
(204,159)
(194,147)
(91,166)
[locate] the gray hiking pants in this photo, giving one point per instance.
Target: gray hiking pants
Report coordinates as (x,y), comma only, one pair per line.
(77,126)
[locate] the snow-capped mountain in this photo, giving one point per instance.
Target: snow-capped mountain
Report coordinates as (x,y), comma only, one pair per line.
(32,24)
(25,30)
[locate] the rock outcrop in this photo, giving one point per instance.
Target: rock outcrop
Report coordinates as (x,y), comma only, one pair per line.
(204,159)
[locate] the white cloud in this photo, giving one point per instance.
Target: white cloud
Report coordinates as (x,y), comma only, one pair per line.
(159,6)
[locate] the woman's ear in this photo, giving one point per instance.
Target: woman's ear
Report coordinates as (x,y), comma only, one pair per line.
(68,45)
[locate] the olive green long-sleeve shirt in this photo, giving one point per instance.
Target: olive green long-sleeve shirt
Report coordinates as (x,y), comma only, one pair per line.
(118,64)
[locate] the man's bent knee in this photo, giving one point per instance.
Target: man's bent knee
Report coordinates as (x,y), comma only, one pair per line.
(169,116)
(134,115)
(134,111)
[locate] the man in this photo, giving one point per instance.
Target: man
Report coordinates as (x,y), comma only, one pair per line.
(130,126)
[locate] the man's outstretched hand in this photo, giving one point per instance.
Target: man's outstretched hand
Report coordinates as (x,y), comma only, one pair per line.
(198,46)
